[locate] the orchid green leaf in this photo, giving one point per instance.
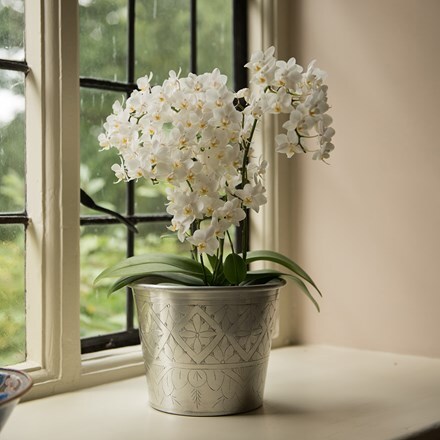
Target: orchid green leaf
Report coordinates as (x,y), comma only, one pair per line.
(146,269)
(282,260)
(171,278)
(264,276)
(218,276)
(123,282)
(261,277)
(150,263)
(304,288)
(234,269)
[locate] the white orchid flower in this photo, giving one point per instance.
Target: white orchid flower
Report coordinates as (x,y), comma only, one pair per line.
(189,134)
(252,197)
(205,241)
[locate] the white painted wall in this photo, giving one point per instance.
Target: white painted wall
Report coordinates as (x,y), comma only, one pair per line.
(367,227)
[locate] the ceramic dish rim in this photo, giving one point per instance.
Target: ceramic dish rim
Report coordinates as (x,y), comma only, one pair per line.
(20,394)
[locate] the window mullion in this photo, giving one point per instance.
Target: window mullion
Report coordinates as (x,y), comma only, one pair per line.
(131,41)
(240,56)
(19,66)
(240,35)
(193,42)
(14,219)
(130,192)
(130,253)
(103,84)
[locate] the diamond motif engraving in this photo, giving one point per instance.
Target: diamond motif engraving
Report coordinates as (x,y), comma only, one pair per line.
(154,333)
(197,334)
(247,333)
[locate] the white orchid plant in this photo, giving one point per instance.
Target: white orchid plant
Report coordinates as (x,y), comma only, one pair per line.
(196,135)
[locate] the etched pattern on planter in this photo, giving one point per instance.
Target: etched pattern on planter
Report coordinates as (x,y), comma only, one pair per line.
(197,334)
(206,358)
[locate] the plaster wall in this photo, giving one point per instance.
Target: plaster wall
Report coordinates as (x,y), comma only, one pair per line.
(367,226)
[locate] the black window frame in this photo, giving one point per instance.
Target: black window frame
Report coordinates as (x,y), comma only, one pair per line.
(240,42)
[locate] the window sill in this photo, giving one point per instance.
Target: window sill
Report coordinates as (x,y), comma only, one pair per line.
(316,392)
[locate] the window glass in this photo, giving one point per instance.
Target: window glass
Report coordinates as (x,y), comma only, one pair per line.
(12,184)
(103,39)
(101,246)
(153,237)
(214,36)
(150,199)
(12,300)
(162,37)
(97,179)
(12,29)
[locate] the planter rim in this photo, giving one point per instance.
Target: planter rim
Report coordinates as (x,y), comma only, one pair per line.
(278,283)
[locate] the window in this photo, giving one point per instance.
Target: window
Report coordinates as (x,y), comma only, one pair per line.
(121,41)
(40,158)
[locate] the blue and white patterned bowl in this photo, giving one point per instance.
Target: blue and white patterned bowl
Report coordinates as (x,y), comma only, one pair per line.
(13,385)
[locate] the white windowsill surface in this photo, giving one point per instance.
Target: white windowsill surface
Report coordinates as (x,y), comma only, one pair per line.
(312,393)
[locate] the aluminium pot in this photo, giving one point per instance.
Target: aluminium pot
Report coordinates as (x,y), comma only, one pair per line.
(206,349)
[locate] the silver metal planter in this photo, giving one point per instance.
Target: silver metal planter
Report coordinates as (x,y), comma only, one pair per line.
(206,349)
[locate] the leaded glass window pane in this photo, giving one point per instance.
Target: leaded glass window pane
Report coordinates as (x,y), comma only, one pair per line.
(103,35)
(12,296)
(162,37)
(101,246)
(12,30)
(96,176)
(12,141)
